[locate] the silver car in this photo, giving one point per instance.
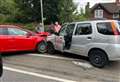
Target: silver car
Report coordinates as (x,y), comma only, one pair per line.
(98,39)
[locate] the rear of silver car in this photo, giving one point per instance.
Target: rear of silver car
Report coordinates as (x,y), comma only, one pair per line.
(105,43)
(108,41)
(113,49)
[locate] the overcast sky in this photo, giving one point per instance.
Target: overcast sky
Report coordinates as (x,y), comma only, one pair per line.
(82,3)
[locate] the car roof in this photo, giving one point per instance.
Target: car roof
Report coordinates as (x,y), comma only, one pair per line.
(91,21)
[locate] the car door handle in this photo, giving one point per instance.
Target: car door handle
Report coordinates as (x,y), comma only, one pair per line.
(89,38)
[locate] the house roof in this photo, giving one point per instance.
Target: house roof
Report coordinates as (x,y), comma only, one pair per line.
(110,7)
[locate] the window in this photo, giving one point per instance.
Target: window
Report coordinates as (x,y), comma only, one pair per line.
(63,30)
(99,13)
(70,29)
(3,31)
(115,15)
(15,31)
(105,28)
(83,29)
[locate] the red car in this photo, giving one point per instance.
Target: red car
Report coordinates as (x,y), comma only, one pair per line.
(14,38)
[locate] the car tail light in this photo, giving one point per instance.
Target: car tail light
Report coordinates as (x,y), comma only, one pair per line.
(114,29)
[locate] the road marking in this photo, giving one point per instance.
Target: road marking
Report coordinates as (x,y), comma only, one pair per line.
(49,56)
(37,75)
(82,64)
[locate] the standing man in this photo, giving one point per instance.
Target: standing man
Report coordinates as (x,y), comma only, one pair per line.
(57,27)
(39,28)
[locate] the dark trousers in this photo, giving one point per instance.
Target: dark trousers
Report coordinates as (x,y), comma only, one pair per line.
(68,40)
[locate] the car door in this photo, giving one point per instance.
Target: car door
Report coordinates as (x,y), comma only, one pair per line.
(6,41)
(60,40)
(21,40)
(82,38)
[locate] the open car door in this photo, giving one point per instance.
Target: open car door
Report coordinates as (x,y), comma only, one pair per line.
(59,39)
(64,40)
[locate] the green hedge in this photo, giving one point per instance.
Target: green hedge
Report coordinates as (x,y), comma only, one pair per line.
(10,20)
(31,26)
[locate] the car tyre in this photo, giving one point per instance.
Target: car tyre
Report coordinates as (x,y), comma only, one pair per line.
(41,47)
(1,66)
(50,48)
(98,58)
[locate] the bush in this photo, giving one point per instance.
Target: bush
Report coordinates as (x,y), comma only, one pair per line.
(3,18)
(7,19)
(30,26)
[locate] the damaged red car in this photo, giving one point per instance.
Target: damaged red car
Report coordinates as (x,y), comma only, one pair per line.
(15,38)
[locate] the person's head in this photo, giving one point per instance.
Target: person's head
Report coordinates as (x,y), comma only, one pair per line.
(56,23)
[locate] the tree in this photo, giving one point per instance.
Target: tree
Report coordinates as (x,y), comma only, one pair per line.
(8,10)
(55,10)
(31,10)
(66,10)
(8,7)
(51,10)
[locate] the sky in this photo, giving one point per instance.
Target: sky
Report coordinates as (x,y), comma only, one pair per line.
(82,3)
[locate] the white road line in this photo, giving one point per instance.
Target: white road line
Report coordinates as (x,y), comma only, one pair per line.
(37,75)
(82,64)
(49,56)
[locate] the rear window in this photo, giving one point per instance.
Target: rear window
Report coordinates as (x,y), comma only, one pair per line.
(106,28)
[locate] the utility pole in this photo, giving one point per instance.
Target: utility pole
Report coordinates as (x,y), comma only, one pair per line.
(42,18)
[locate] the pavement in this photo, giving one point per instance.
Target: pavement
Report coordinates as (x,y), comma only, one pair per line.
(33,67)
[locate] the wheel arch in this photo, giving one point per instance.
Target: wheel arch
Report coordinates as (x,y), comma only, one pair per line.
(97,49)
(39,43)
(49,42)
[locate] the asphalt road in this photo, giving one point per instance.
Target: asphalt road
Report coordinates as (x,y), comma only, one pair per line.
(33,67)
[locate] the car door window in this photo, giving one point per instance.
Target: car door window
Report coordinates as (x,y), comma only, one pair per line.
(15,31)
(63,30)
(83,29)
(70,29)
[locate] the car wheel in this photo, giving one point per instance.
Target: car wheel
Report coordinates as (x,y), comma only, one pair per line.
(50,48)
(98,58)
(41,47)
(1,66)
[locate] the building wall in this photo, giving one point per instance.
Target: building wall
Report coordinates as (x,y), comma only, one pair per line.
(105,14)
